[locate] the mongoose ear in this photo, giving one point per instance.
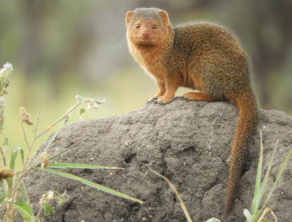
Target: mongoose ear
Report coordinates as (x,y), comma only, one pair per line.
(164,17)
(129,16)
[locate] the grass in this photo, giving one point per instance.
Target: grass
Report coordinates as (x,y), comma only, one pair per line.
(13,193)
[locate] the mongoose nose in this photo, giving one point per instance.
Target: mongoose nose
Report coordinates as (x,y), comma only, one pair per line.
(145,34)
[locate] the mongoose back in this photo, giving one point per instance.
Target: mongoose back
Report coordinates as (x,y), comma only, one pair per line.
(202,56)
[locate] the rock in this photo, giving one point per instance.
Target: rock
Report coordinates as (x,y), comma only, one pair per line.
(188,142)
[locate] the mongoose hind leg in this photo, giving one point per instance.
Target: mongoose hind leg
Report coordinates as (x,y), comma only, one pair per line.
(197,96)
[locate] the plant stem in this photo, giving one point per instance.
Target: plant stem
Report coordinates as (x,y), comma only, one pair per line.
(32,143)
(3,156)
(56,122)
(268,210)
(24,171)
(15,186)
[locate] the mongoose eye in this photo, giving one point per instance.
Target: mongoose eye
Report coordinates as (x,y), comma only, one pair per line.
(137,26)
(154,27)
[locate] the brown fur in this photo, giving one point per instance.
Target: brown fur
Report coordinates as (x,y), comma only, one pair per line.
(202,56)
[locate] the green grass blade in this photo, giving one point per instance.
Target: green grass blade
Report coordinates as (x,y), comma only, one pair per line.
(63,151)
(89,183)
(77,165)
(275,183)
(256,198)
(265,181)
(14,154)
(23,194)
(25,211)
(13,157)
(278,176)
(54,136)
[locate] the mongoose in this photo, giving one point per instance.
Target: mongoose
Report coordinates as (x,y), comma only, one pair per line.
(202,56)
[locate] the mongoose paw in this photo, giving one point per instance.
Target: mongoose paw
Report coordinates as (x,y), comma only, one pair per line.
(190,96)
(184,98)
(163,100)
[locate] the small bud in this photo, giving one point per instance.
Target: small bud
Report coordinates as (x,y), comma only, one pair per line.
(90,106)
(24,116)
(50,195)
(5,173)
(81,112)
(45,160)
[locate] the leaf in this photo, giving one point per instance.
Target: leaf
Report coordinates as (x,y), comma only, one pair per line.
(14,154)
(89,183)
(256,214)
(256,197)
(278,176)
(48,209)
(13,157)
(25,211)
(247,215)
(213,220)
(63,151)
(265,181)
(76,165)
(23,194)
(81,112)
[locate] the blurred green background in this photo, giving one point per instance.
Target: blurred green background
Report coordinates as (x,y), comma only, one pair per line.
(63,48)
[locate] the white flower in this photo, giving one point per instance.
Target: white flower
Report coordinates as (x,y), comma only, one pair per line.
(50,195)
(7,65)
(6,70)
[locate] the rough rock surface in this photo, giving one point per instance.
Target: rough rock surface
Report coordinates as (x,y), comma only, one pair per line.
(188,142)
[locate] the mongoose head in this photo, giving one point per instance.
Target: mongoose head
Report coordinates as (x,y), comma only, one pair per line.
(147,26)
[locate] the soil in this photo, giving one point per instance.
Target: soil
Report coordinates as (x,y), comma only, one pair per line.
(187,142)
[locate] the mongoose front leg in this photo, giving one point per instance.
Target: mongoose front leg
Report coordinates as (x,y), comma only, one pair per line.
(161,91)
(197,96)
(171,88)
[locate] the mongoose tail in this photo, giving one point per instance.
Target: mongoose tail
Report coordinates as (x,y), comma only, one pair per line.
(245,126)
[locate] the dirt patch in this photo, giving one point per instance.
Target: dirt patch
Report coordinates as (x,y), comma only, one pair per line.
(188,142)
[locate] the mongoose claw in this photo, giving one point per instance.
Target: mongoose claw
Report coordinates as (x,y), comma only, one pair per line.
(152,100)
